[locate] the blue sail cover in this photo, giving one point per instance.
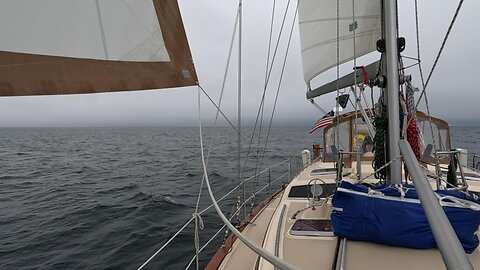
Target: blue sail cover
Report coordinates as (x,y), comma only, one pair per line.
(393,216)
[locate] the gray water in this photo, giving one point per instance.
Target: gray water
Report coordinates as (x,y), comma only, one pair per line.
(109,198)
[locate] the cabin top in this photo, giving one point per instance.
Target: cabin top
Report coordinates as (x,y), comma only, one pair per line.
(353,133)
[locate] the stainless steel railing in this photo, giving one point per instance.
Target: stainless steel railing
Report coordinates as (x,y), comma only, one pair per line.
(476,162)
(294,166)
(447,241)
(454,163)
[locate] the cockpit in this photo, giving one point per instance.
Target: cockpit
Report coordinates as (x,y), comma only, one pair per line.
(355,134)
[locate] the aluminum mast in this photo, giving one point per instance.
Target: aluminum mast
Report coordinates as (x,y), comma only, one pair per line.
(390,34)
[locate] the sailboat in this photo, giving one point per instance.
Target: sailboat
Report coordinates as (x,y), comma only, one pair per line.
(338,211)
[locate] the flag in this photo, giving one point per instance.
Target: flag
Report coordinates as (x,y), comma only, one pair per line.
(326,120)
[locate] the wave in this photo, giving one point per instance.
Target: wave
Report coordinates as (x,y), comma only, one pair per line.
(144,197)
(130,186)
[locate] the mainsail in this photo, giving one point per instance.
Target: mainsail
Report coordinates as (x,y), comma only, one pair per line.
(318,32)
(53,47)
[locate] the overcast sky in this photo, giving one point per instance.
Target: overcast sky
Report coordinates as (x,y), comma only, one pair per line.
(452,92)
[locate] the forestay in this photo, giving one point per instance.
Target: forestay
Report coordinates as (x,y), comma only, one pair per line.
(70,46)
(318,32)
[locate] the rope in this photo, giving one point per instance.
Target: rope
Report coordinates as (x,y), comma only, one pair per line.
(196,215)
(257,249)
(219,111)
(413,134)
(441,48)
(208,208)
(380,169)
(262,102)
(198,225)
(380,123)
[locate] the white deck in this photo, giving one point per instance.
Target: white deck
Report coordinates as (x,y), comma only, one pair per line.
(271,227)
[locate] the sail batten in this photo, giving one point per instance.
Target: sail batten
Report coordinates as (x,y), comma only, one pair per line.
(318,33)
(135,45)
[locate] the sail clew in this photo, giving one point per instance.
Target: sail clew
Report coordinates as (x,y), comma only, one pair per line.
(92,46)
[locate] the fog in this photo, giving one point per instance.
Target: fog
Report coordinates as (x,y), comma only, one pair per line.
(452,92)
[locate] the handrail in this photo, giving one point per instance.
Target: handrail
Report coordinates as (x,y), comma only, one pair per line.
(453,156)
(476,162)
(447,241)
(230,219)
(219,200)
(205,245)
(253,246)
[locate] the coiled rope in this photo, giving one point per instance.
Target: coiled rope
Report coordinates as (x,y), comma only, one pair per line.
(413,135)
(380,122)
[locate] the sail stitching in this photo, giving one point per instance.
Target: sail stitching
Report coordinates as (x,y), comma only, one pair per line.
(102,30)
(341,19)
(342,38)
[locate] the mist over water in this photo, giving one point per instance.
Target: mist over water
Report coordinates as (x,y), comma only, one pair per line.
(109,198)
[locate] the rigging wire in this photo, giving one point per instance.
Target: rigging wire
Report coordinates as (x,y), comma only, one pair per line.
(224,116)
(263,101)
(205,210)
(457,11)
(197,217)
(280,80)
(264,92)
(424,85)
(424,90)
(418,47)
(337,104)
(239,105)
(357,99)
(257,249)
(318,106)
(218,107)
(278,86)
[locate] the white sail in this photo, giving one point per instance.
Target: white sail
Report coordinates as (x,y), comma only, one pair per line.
(318,32)
(70,46)
(111,30)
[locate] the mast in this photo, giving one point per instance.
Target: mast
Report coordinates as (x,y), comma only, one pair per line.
(391,33)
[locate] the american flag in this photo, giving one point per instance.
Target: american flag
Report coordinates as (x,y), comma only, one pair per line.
(326,120)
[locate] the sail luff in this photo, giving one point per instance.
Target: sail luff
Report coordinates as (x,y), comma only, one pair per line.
(24,73)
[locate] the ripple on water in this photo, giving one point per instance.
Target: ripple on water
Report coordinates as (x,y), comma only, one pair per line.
(109,198)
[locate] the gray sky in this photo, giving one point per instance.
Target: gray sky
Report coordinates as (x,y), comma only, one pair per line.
(452,91)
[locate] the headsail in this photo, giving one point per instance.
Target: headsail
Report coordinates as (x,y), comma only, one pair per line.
(318,32)
(52,47)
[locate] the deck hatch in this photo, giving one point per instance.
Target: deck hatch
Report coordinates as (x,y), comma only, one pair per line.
(302,191)
(312,227)
(323,171)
